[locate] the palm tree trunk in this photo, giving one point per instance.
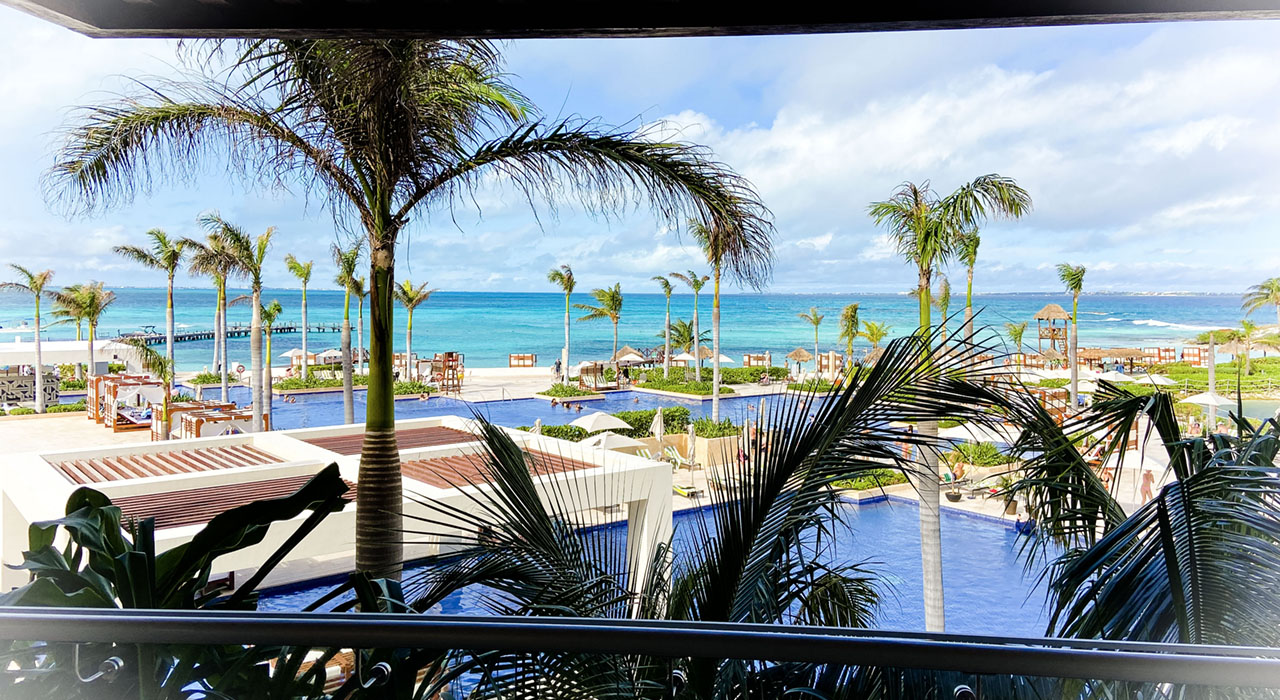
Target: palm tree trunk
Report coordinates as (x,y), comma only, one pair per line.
(926,485)
(93,329)
(267,389)
(1071,354)
(564,376)
(39,363)
(222,341)
(217,326)
(168,325)
(255,359)
(306,370)
(666,343)
(79,367)
(697,346)
(408,349)
(715,349)
(615,349)
(348,388)
(360,333)
(968,309)
(380,497)
(816,376)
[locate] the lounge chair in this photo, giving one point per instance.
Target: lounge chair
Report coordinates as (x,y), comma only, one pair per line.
(673,455)
(686,491)
(644,453)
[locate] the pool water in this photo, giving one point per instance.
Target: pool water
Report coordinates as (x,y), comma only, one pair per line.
(986,589)
(325,408)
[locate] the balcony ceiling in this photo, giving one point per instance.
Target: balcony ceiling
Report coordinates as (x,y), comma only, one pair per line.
(597,18)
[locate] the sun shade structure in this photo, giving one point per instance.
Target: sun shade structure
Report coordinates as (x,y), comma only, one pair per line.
(1051,324)
(1208,400)
(626,353)
(799,355)
(595,422)
(528,18)
(611,441)
(1155,380)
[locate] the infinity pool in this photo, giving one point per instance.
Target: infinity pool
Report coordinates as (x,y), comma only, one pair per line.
(986,589)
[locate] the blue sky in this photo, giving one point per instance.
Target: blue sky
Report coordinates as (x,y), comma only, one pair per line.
(1149,150)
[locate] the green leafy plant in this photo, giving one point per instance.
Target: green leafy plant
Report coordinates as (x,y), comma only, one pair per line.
(979,454)
(74,385)
(22,411)
(820,386)
(66,407)
(183,396)
(695,388)
(708,428)
(675,419)
(873,479)
(207,378)
(566,390)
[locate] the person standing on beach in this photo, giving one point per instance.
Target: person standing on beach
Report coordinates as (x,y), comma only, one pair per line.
(1148,481)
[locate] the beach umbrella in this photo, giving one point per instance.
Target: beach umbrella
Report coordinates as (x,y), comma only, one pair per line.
(537,426)
(799,355)
(626,353)
(630,357)
(1115,377)
(597,421)
(295,352)
(1087,387)
(685,357)
(611,441)
(330,355)
(1155,380)
(657,427)
(725,359)
(1208,400)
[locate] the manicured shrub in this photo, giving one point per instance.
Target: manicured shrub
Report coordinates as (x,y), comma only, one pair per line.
(74,385)
(566,390)
(874,478)
(675,419)
(695,388)
(22,411)
(66,407)
(563,432)
(821,386)
(209,378)
(707,428)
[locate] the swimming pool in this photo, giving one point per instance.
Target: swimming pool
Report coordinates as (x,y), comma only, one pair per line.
(325,408)
(986,589)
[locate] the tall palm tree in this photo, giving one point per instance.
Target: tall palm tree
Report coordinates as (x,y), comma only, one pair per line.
(1265,293)
(1072,277)
(89,302)
(849,329)
(270,313)
(212,257)
(967,252)
(680,335)
(1248,331)
(32,283)
(608,305)
(745,252)
(926,229)
(1015,331)
(165,254)
(302,270)
(814,318)
(358,290)
(249,255)
(696,283)
(346,260)
(875,333)
(666,325)
(411,297)
(563,278)
(942,301)
(390,129)
(66,315)
(161,368)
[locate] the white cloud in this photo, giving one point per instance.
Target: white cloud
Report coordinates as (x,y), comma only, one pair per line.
(818,243)
(881,248)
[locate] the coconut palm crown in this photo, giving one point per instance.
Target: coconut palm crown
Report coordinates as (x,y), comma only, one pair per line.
(1265,293)
(302,270)
(33,283)
(165,254)
(563,278)
(608,306)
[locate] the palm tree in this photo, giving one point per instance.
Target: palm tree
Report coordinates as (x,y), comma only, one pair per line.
(745,251)
(1015,331)
(319,113)
(346,260)
(1072,277)
(666,326)
(249,256)
(680,335)
(165,254)
(358,291)
(563,278)
(161,368)
(814,318)
(89,301)
(1266,293)
(411,297)
(927,229)
(942,300)
(67,315)
(301,270)
(967,252)
(875,333)
(608,305)
(213,257)
(269,314)
(695,283)
(849,330)
(32,283)
(1248,330)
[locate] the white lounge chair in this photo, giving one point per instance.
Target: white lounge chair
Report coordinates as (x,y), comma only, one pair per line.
(674,456)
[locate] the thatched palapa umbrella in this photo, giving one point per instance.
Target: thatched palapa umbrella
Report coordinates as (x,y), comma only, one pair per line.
(799,356)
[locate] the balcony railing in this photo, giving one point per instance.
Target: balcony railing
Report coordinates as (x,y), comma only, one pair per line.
(963,661)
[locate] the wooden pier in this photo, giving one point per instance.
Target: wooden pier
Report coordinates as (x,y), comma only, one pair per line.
(234,331)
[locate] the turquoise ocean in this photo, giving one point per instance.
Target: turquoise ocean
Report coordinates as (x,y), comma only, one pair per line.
(486,326)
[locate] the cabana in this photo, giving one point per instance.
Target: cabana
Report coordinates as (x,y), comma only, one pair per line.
(1051,325)
(127,403)
(760,359)
(96,392)
(176,409)
(523,359)
(1196,355)
(829,363)
(198,424)
(1159,356)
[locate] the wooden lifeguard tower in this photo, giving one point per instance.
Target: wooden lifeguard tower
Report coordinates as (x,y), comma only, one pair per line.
(1052,325)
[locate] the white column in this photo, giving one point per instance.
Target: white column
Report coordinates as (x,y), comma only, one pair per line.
(648,525)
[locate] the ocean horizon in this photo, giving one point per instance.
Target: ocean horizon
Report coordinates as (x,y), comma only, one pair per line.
(486,326)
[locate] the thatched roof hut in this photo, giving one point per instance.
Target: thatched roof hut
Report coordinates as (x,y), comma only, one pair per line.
(799,355)
(1052,312)
(624,351)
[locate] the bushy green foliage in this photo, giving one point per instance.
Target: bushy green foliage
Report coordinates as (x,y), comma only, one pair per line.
(675,419)
(728,375)
(707,428)
(565,390)
(875,478)
(182,396)
(562,432)
(208,378)
(406,388)
(1265,377)
(979,454)
(114,367)
(1053,383)
(950,423)
(312,382)
(819,385)
(22,411)
(696,388)
(74,385)
(66,407)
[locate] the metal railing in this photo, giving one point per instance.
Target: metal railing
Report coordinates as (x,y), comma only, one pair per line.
(1235,667)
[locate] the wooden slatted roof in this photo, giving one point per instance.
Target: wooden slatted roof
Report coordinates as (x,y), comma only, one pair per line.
(407,439)
(119,467)
(461,470)
(196,506)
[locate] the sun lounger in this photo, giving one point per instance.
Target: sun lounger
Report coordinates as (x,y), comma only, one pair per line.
(673,455)
(686,491)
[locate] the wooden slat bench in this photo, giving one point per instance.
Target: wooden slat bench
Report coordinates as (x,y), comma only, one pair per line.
(463,470)
(99,469)
(196,506)
(406,439)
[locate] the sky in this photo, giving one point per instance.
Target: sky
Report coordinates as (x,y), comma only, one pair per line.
(1149,151)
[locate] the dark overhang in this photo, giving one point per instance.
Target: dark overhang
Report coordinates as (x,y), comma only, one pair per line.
(600,18)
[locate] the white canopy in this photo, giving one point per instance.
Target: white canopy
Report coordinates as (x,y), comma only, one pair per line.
(330,355)
(1086,387)
(1155,380)
(294,352)
(1115,377)
(685,356)
(631,357)
(725,359)
(1207,399)
(597,421)
(611,441)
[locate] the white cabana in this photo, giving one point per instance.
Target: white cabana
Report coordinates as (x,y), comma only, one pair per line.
(1086,387)
(294,352)
(597,421)
(330,355)
(725,360)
